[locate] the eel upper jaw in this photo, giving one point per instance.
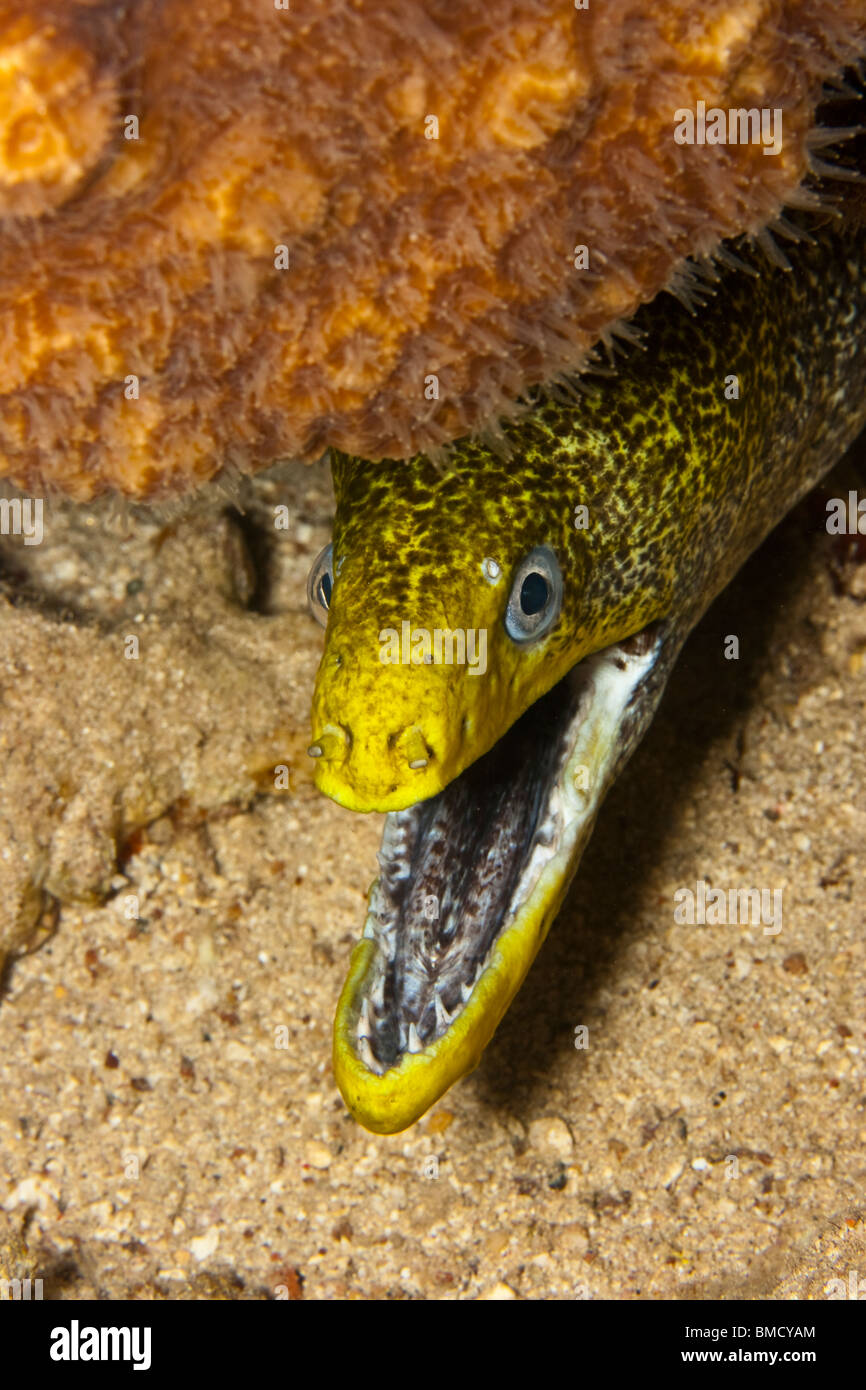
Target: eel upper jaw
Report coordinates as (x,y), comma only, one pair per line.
(471,880)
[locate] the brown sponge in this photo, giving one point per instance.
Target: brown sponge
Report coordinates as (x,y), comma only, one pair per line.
(235,231)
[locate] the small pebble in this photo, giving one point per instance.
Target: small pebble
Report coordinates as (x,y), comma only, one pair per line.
(551,1135)
(318,1155)
(203,1246)
(795,964)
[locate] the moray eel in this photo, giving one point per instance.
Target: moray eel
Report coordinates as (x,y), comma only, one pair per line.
(562,573)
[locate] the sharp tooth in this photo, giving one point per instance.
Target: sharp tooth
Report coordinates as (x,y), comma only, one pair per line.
(388,942)
(365,1052)
(466,991)
(443,1018)
(364,1021)
(415,1043)
(369,930)
(377,993)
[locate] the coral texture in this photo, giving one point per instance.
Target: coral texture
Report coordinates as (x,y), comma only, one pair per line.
(227,235)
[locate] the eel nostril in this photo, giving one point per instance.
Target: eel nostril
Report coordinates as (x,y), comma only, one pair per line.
(414,747)
(332,744)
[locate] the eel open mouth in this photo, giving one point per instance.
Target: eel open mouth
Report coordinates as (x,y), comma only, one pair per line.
(471,880)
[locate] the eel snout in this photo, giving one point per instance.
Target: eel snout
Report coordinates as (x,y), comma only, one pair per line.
(403,707)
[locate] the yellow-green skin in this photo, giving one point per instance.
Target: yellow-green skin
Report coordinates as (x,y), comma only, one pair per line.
(681,476)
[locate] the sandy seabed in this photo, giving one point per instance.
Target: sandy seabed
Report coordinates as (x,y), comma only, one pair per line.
(181,917)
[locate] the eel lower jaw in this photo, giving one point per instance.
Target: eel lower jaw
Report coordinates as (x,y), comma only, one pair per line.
(472,879)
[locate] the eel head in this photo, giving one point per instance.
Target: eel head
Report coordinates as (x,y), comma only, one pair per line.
(491,765)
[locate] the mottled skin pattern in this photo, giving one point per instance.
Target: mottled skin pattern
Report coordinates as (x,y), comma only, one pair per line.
(680,485)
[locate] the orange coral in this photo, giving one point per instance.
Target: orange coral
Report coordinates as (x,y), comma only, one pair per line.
(225,235)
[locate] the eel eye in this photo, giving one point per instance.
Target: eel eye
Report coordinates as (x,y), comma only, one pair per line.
(320,583)
(536,596)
